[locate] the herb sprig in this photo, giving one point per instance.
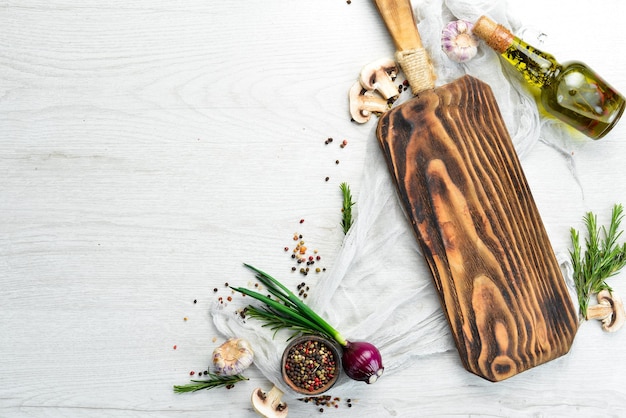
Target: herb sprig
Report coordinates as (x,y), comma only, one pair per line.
(602,258)
(346,209)
(213,381)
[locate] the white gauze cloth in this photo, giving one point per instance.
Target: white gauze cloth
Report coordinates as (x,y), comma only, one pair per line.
(400,314)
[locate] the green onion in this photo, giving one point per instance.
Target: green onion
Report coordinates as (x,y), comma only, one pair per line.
(291,309)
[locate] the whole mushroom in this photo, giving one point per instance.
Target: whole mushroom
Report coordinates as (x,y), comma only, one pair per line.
(380,76)
(609,310)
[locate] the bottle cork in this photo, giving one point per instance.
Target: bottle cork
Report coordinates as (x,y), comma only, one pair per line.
(495,35)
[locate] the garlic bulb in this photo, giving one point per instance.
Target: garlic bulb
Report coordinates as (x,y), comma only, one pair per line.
(458,41)
(232,357)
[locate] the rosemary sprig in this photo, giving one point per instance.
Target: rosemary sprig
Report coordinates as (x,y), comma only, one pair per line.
(602,258)
(275,321)
(346,209)
(213,381)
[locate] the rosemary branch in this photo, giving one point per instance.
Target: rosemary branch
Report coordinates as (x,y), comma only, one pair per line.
(603,256)
(213,381)
(346,209)
(276,321)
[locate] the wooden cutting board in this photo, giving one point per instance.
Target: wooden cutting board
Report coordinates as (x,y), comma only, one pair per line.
(462,186)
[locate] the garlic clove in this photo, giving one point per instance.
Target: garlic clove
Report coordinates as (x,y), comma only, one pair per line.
(232,357)
(458,41)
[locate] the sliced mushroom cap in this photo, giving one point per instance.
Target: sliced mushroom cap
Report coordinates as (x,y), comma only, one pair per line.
(268,404)
(380,76)
(363,103)
(609,310)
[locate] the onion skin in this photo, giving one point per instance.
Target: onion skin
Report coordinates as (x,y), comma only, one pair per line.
(362,361)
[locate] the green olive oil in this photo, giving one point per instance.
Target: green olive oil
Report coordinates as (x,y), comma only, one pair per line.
(571,92)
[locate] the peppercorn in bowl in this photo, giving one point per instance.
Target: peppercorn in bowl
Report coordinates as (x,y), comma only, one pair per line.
(311,364)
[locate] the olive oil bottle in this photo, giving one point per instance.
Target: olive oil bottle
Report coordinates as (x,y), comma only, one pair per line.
(571,92)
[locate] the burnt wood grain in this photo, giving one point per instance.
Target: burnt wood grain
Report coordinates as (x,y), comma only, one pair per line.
(464,191)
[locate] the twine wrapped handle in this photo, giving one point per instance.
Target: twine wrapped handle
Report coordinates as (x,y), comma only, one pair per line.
(411,55)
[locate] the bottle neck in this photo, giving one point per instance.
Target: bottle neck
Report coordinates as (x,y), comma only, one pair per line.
(538,68)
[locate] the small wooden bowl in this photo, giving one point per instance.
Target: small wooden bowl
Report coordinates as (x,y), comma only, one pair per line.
(318,357)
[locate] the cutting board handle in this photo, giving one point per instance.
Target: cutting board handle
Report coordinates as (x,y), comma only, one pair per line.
(400,21)
(411,55)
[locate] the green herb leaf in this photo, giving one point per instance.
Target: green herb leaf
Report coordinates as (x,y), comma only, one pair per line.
(346,209)
(602,257)
(213,381)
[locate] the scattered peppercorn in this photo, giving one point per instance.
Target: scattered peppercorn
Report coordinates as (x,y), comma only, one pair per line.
(301,254)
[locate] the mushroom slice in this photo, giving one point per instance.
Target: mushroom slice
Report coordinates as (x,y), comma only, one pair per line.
(609,310)
(363,103)
(380,76)
(268,404)
(232,357)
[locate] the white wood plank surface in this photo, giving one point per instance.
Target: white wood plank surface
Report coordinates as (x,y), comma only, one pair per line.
(147,148)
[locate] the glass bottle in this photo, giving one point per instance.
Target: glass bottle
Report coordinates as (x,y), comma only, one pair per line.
(571,92)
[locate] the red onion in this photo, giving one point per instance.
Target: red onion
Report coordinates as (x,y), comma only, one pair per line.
(362,361)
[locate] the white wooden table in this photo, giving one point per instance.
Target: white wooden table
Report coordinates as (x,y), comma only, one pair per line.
(149,147)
